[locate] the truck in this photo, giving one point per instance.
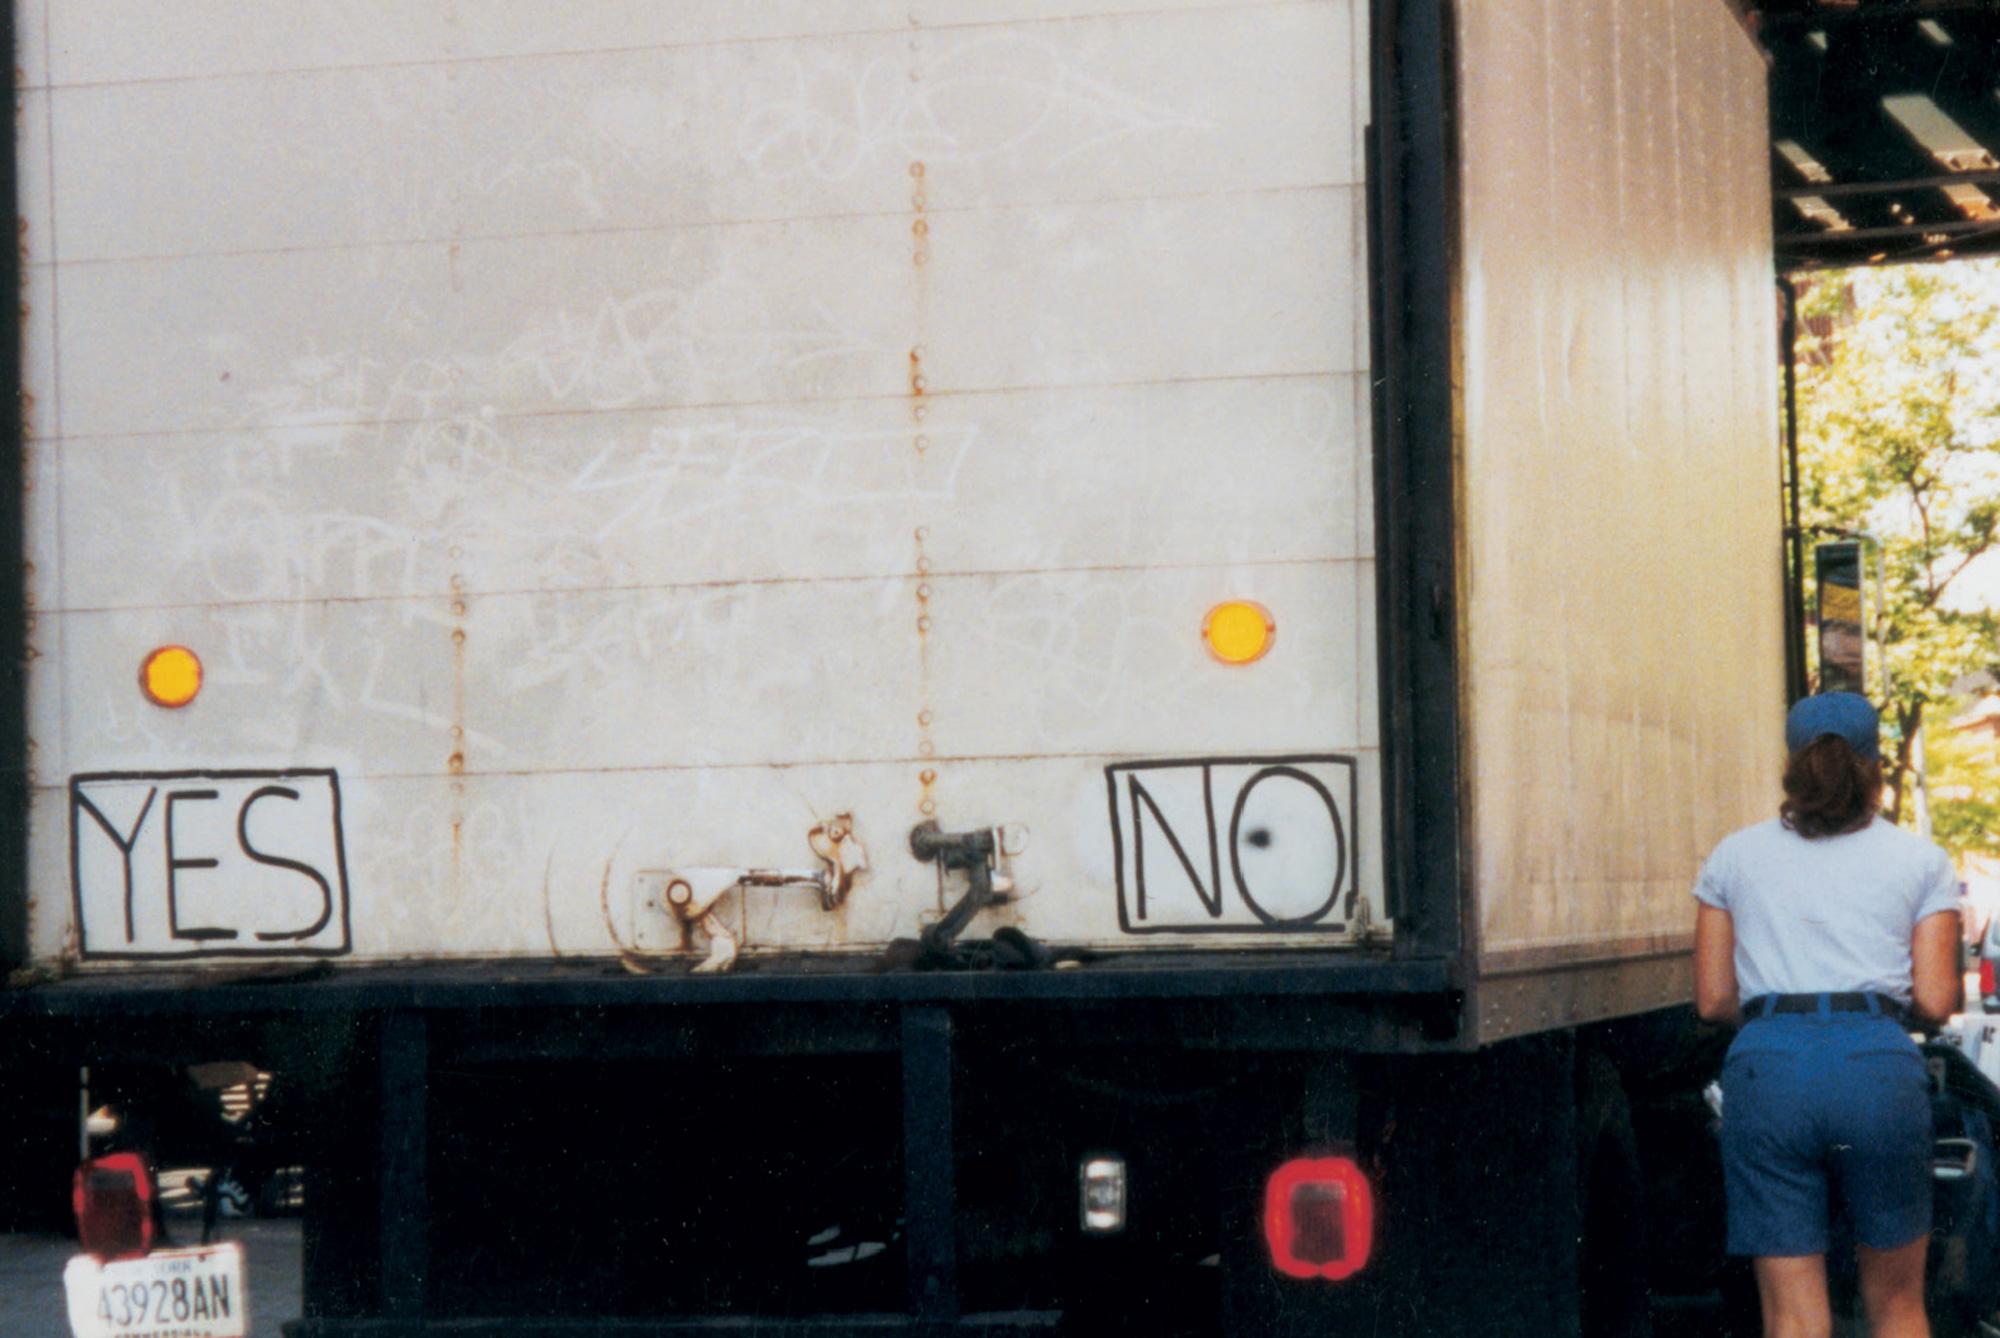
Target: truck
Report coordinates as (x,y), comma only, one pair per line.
(847,668)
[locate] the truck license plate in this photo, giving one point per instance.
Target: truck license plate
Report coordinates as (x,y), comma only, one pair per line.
(191,1293)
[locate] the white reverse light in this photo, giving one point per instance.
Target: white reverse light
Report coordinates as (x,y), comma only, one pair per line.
(1101,1184)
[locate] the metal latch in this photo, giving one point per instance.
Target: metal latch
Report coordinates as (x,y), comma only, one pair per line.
(692,894)
(977,853)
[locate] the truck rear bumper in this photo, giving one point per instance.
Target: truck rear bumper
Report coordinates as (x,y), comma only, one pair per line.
(604,982)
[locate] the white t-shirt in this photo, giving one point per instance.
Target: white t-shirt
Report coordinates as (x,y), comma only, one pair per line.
(1830,915)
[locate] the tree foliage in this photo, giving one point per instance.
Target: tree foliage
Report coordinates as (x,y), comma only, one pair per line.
(1899,436)
(1965,792)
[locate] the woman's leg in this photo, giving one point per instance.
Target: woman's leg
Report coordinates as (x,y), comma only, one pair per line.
(1892,1289)
(1792,1290)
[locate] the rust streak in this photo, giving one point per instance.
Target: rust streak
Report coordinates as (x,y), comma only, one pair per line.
(920,443)
(455,763)
(548,904)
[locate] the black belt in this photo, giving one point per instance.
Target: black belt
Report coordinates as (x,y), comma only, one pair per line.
(1764,1005)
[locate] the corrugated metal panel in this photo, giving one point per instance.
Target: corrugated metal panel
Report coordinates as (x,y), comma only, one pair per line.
(614,438)
(1623,667)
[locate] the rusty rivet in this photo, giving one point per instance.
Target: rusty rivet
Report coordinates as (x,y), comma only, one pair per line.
(917,383)
(923,533)
(923,566)
(924,591)
(923,442)
(456,762)
(927,776)
(921,256)
(924,623)
(458,608)
(919,412)
(921,227)
(917,170)
(924,718)
(458,636)
(927,806)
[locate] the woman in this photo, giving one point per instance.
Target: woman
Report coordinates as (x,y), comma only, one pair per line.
(1826,932)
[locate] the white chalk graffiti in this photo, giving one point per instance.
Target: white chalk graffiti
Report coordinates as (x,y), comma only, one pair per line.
(655,345)
(976,98)
(657,509)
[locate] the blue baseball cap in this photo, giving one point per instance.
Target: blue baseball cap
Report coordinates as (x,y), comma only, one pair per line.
(1845,715)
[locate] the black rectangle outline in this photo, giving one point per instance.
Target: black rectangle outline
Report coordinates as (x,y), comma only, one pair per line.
(1125,925)
(339,854)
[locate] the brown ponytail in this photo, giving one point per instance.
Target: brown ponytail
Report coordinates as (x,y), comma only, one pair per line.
(1829,789)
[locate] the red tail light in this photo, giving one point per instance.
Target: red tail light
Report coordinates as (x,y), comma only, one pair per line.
(113,1197)
(1986,975)
(1319,1218)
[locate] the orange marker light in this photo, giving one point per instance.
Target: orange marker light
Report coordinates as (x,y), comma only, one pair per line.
(1239,631)
(171,676)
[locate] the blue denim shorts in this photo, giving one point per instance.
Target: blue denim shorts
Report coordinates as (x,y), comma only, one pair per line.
(1823,1112)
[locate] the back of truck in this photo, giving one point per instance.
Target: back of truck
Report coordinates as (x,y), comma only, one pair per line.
(527,502)
(601,573)
(569,459)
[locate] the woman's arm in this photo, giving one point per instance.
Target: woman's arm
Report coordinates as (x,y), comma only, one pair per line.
(1937,985)
(1715,966)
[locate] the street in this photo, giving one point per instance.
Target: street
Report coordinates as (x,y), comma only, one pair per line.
(31,1267)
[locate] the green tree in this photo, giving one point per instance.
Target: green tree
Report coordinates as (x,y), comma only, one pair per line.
(1899,436)
(1965,792)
